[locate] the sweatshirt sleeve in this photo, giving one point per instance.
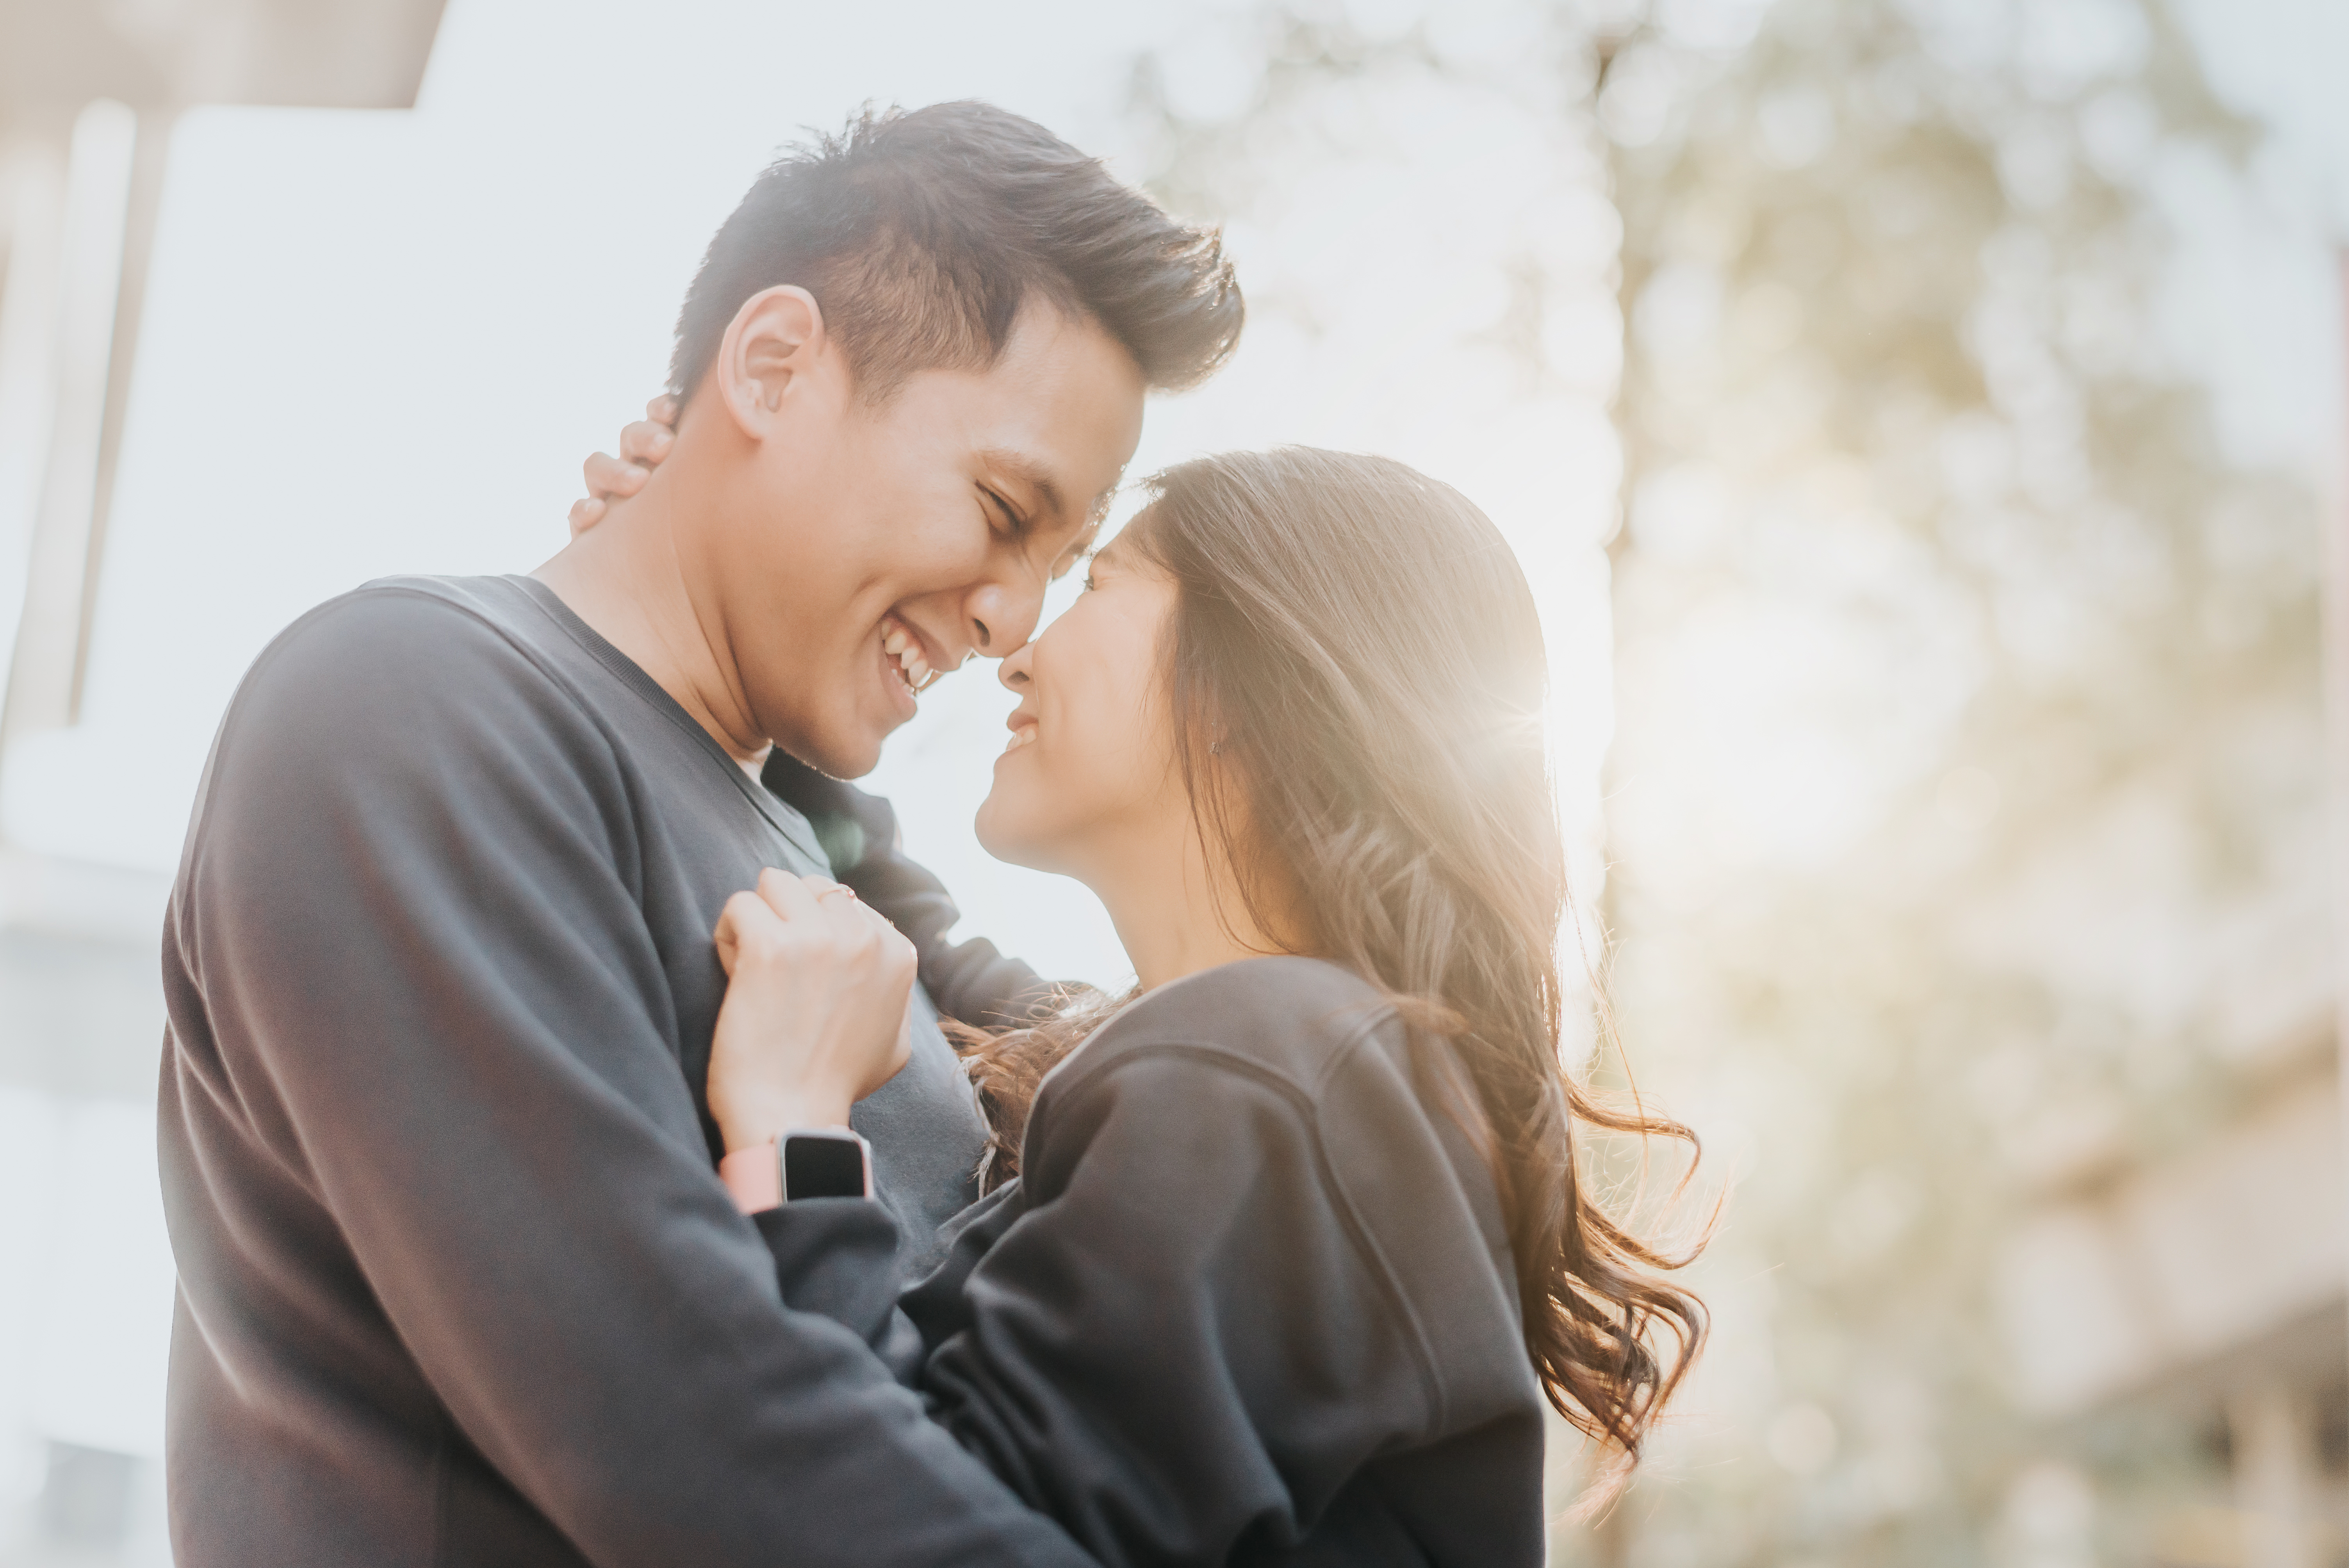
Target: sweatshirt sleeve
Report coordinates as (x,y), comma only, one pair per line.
(967,980)
(1178,1347)
(408,905)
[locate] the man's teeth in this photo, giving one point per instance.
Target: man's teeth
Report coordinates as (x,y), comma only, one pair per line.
(900,645)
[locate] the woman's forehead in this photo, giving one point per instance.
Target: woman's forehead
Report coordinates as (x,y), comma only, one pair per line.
(1119,551)
(1126,549)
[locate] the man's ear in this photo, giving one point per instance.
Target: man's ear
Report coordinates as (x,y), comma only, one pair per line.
(774,349)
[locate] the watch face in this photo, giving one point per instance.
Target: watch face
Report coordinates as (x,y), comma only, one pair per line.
(815,1166)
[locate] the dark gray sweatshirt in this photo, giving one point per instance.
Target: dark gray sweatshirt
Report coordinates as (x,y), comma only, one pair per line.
(458,1284)
(1250,1302)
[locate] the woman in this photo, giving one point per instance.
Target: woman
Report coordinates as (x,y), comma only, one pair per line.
(1296,1244)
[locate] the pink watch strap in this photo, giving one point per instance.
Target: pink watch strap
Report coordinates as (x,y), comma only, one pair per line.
(753,1177)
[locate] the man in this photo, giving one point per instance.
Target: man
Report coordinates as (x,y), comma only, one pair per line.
(967,980)
(458,1282)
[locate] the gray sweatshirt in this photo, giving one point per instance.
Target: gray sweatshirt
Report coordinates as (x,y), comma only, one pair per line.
(457,1284)
(1250,1302)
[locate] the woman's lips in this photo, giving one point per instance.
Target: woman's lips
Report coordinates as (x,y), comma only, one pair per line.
(1022,734)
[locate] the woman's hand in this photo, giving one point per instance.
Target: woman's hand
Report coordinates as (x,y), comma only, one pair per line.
(643,445)
(814,1015)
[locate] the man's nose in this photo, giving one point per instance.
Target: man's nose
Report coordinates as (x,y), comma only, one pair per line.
(1002,617)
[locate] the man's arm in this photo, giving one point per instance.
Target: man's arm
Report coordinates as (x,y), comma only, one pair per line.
(967,980)
(410,906)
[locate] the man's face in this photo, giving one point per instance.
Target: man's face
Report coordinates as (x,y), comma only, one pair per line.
(867,546)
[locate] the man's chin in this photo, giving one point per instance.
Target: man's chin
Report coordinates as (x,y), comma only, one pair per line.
(846,751)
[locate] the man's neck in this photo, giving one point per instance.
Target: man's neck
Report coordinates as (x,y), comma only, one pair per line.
(626,578)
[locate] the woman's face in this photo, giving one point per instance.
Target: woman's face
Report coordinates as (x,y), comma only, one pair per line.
(1091,765)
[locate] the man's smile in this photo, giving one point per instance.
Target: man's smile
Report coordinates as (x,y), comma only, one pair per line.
(914,661)
(902,644)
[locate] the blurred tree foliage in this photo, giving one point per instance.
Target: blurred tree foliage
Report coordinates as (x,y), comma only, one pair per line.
(1965,807)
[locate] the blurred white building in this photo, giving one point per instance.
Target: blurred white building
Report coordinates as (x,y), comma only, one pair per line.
(89,94)
(2207,1290)
(2211,1289)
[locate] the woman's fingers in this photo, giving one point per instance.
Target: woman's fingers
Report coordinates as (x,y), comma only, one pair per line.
(643,446)
(819,904)
(819,900)
(897,961)
(647,442)
(610,478)
(897,951)
(728,942)
(788,897)
(746,925)
(816,1010)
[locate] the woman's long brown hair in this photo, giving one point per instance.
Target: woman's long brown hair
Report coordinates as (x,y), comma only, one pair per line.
(1356,676)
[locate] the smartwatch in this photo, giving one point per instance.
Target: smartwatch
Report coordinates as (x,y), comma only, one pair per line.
(805,1162)
(824,1162)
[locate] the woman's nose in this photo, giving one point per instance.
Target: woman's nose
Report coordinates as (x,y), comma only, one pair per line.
(1013,671)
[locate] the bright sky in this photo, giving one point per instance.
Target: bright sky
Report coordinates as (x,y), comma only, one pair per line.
(2257,297)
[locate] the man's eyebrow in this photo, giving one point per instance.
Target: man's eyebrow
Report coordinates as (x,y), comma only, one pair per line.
(1024,470)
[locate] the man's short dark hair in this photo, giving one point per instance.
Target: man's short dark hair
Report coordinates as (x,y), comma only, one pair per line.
(921,234)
